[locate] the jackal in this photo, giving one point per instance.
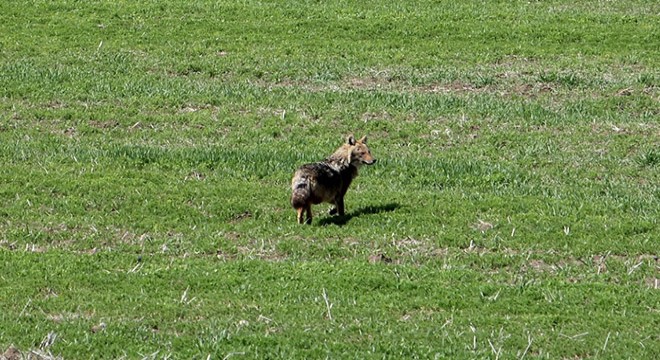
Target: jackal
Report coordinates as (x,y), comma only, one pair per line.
(328,180)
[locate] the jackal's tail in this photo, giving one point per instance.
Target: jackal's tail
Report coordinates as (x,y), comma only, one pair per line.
(301,192)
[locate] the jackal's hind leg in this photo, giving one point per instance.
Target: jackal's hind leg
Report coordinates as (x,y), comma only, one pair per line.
(300,212)
(308,210)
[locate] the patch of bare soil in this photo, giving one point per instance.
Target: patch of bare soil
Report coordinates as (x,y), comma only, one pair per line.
(367,83)
(195,175)
(240,217)
(104,124)
(6,244)
(11,353)
(379,258)
(483,226)
(454,87)
(541,266)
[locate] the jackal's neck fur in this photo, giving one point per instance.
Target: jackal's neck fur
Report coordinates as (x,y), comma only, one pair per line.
(340,160)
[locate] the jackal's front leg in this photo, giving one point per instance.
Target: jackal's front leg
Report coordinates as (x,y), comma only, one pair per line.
(339,207)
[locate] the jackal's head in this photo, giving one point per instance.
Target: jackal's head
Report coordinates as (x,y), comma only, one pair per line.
(358,151)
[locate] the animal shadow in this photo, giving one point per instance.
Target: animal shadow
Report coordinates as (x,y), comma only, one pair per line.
(365,210)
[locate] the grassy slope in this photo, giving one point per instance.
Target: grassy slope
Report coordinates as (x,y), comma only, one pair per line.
(516,191)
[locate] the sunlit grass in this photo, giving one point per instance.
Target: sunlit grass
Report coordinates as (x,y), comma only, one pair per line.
(147,152)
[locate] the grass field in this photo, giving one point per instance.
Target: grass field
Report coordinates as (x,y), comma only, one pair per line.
(147,151)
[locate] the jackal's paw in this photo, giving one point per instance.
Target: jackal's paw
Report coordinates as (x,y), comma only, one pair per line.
(333,211)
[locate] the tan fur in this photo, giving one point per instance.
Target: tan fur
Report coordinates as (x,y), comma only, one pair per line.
(328,180)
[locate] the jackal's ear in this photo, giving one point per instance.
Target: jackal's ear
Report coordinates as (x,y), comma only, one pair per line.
(350,140)
(363,139)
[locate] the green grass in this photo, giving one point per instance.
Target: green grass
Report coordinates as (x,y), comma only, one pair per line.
(147,152)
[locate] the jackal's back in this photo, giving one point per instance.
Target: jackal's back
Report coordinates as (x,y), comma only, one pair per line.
(315,183)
